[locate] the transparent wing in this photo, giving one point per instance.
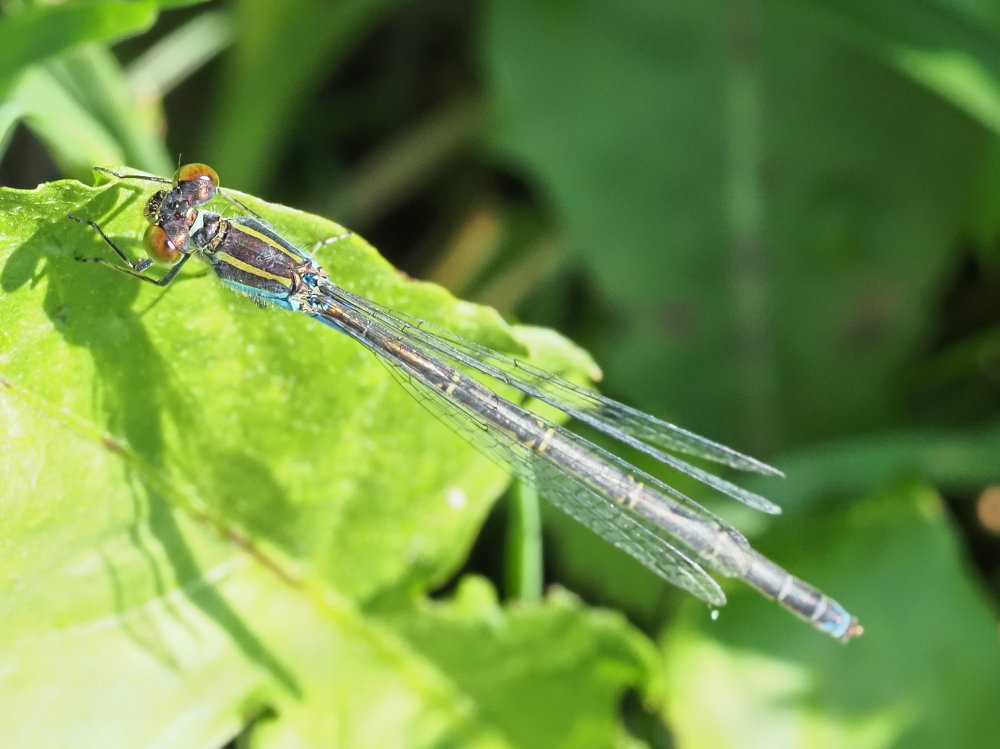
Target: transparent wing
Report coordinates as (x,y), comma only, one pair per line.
(628,425)
(566,491)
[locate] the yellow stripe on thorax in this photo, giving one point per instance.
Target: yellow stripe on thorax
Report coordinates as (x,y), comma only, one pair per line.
(267,240)
(253,270)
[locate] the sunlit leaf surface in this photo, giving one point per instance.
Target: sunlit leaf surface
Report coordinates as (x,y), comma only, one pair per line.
(213,512)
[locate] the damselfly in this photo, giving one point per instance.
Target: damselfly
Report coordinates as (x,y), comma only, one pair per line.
(646,517)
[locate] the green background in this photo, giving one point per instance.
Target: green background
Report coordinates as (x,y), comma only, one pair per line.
(772,221)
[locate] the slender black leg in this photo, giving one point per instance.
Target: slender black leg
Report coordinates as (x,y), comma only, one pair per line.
(329,240)
(129,268)
(144,177)
(241,204)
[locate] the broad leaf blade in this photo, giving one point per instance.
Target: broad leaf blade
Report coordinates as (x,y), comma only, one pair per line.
(205,499)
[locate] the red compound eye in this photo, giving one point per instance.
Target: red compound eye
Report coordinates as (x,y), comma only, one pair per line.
(161,247)
(192,172)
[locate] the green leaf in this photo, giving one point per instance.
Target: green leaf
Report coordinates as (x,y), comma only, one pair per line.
(177,381)
(505,661)
(38,32)
(227,512)
(267,80)
(764,225)
(72,94)
(923,674)
(83,126)
(104,98)
(954,460)
(952,48)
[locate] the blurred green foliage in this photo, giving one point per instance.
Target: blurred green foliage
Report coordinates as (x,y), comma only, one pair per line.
(775,221)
